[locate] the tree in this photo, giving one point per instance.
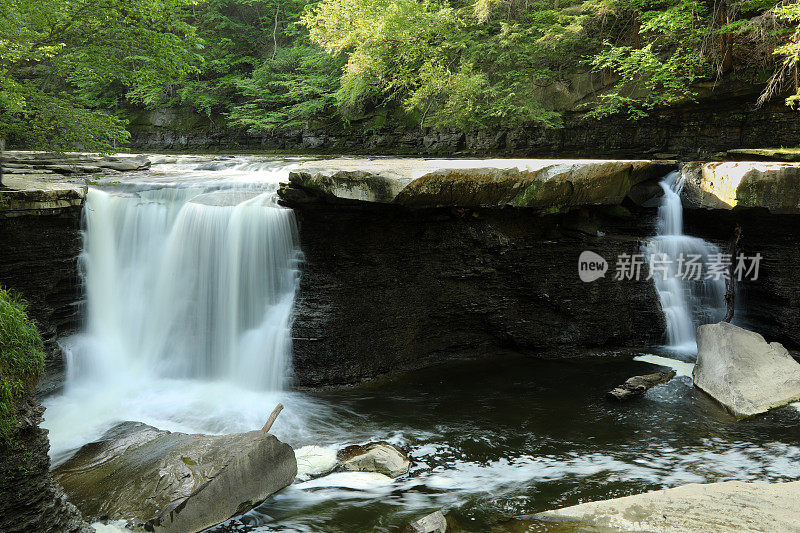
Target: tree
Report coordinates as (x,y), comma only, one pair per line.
(66,65)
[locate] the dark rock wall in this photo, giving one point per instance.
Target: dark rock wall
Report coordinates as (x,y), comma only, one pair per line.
(30,501)
(715,124)
(388,289)
(39,259)
(769,305)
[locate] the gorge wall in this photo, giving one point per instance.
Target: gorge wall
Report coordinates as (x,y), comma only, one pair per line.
(391,289)
(458,263)
(721,120)
(41,241)
(30,501)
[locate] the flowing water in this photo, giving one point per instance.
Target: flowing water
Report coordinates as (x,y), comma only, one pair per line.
(190,272)
(686,300)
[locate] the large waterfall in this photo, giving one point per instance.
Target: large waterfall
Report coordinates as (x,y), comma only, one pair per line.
(185,284)
(685,300)
(190,279)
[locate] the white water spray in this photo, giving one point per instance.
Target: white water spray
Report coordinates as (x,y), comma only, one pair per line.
(190,278)
(686,302)
(188,285)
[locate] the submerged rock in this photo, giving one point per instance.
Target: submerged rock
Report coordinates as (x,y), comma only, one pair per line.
(743,372)
(369,481)
(175,481)
(380,457)
(432,523)
(638,385)
(728,507)
(314,461)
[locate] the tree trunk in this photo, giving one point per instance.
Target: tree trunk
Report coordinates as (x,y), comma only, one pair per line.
(730,282)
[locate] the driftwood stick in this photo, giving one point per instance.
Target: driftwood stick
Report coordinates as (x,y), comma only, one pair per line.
(272,417)
(730,282)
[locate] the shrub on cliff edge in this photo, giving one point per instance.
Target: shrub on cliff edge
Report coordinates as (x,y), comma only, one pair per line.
(21,358)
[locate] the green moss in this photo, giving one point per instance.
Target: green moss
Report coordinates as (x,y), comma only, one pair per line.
(528,195)
(21,358)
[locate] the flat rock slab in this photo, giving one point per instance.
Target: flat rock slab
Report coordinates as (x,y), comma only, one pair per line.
(549,185)
(774,186)
(743,372)
(175,481)
(34,194)
(728,507)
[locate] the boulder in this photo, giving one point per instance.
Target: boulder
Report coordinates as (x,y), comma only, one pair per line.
(728,507)
(432,523)
(175,481)
(638,385)
(743,372)
(380,457)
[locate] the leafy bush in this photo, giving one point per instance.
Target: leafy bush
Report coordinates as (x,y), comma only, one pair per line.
(21,358)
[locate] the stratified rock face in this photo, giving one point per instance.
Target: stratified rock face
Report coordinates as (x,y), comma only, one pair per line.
(743,372)
(774,186)
(387,289)
(380,457)
(174,481)
(729,507)
(19,162)
(30,501)
(41,241)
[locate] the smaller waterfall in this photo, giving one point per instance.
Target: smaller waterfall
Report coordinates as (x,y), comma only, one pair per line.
(686,302)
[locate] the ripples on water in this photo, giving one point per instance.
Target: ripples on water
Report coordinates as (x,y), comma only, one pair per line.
(489,440)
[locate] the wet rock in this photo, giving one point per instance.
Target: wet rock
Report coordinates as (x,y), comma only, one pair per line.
(313,461)
(638,385)
(729,507)
(743,372)
(459,284)
(432,523)
(30,501)
(175,481)
(380,457)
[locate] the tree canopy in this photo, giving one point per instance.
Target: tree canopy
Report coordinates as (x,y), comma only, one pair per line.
(74,71)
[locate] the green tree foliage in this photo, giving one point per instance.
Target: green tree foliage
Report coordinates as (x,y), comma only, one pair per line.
(65,65)
(260,72)
(21,358)
(71,71)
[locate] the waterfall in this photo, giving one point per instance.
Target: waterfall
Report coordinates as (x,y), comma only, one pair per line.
(187,285)
(190,274)
(686,303)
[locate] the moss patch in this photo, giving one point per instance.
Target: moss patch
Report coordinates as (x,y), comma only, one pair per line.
(21,358)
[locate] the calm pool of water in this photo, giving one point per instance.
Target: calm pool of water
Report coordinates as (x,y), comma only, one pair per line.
(514,435)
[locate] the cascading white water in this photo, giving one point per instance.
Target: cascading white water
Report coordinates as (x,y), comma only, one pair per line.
(190,276)
(686,302)
(187,285)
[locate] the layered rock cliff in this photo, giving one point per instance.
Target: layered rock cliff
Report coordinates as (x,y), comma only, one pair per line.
(30,501)
(431,264)
(408,263)
(40,236)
